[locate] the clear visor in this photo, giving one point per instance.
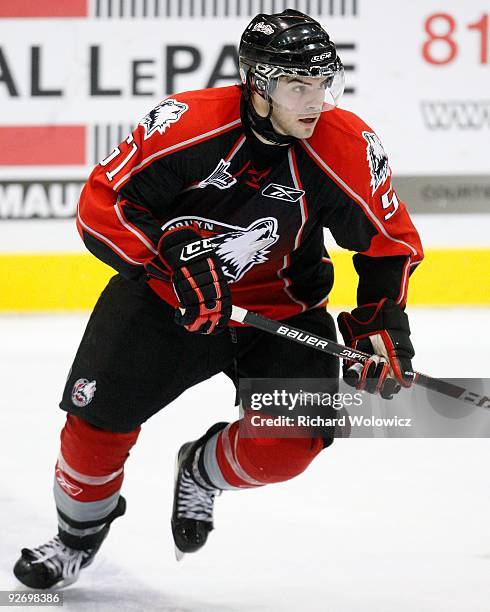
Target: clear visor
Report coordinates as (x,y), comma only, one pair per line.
(305,95)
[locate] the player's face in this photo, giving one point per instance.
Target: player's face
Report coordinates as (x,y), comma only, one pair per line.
(289,123)
(297,104)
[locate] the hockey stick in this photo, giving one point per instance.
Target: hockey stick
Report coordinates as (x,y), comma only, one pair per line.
(278,328)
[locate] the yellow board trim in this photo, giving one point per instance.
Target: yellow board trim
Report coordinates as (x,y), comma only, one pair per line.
(73,281)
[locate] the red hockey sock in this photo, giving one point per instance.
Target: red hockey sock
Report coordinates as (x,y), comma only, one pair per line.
(90,466)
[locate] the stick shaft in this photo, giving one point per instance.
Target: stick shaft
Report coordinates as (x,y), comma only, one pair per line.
(330,347)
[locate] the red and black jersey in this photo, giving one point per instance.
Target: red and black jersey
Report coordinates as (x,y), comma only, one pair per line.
(192,160)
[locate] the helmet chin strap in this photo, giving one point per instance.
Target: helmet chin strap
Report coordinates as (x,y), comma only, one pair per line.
(263,125)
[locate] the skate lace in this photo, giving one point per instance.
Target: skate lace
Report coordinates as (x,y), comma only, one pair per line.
(194,501)
(62,560)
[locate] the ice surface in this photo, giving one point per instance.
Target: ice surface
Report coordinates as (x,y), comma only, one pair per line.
(373,525)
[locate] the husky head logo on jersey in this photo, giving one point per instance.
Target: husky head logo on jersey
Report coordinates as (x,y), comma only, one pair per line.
(378,161)
(158,119)
(238,248)
(241,249)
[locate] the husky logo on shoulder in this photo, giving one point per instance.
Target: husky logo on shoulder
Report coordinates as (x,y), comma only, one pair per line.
(378,161)
(83,392)
(162,116)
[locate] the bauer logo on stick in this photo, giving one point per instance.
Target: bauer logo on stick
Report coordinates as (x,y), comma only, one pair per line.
(83,392)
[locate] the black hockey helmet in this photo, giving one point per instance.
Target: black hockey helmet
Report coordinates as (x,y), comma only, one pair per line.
(285,45)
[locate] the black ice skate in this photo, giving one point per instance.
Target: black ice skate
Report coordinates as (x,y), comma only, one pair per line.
(53,564)
(192,514)
(56,564)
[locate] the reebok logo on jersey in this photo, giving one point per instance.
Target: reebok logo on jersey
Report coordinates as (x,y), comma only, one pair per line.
(219,177)
(377,159)
(162,116)
(237,248)
(280,192)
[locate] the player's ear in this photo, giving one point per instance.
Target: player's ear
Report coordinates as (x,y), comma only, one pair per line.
(261,106)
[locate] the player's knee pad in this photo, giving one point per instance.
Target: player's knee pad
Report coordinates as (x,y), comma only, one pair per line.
(277,459)
(255,461)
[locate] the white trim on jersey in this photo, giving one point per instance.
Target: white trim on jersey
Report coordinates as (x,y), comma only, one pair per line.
(133,230)
(236,149)
(109,243)
(357,197)
(297,240)
(173,148)
(404,283)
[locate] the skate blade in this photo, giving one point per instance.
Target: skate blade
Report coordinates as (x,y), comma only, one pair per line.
(179,555)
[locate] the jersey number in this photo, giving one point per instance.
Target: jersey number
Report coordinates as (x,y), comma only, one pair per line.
(389,200)
(117,151)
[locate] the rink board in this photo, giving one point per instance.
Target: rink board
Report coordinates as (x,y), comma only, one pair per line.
(76,81)
(73,281)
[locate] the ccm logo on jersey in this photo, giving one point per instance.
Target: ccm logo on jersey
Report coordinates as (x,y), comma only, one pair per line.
(196,248)
(280,192)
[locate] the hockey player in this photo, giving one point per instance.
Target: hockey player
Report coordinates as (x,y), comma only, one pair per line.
(220,196)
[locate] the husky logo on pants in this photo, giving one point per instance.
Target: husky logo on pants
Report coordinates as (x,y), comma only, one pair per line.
(238,248)
(83,392)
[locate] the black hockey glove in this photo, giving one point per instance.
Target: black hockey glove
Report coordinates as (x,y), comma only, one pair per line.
(383,330)
(198,281)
